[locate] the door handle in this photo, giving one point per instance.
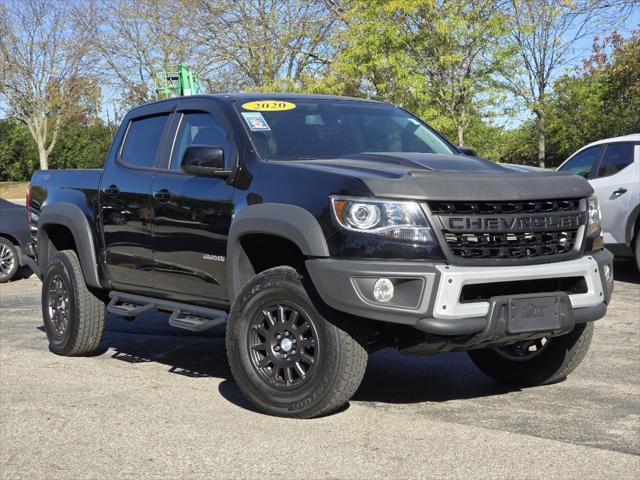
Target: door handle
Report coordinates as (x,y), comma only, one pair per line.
(111,190)
(163,195)
(619,192)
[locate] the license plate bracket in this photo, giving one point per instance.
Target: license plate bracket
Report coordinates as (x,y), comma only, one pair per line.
(534,313)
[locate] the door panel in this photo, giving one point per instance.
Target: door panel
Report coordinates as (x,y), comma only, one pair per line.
(614,186)
(192,216)
(190,235)
(126,208)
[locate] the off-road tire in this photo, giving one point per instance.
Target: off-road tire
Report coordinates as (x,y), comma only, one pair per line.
(11,253)
(560,357)
(341,349)
(86,312)
(636,250)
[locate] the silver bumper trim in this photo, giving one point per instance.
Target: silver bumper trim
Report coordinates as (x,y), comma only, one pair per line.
(448,306)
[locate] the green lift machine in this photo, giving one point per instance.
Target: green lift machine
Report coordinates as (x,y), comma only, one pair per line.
(177,83)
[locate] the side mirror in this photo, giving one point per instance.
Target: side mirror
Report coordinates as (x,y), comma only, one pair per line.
(470,152)
(204,160)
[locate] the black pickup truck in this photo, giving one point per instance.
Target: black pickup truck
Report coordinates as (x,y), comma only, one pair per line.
(320,229)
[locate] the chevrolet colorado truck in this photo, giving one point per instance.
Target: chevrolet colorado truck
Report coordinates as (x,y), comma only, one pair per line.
(319,229)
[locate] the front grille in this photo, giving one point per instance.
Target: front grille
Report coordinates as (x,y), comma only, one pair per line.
(509,230)
(537,206)
(510,245)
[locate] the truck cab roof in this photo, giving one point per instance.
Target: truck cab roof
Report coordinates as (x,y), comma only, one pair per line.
(232,97)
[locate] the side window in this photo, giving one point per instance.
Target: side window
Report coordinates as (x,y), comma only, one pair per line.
(198,128)
(142,141)
(616,157)
(582,163)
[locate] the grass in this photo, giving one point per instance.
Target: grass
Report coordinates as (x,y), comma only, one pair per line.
(13,190)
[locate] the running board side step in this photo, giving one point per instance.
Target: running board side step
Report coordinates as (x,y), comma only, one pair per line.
(184,316)
(186,321)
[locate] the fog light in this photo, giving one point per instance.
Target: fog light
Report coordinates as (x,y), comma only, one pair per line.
(383,290)
(608,273)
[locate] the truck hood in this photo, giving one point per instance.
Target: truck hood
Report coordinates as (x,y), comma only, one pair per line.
(449,177)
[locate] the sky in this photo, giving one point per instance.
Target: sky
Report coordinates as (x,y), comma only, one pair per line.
(582,50)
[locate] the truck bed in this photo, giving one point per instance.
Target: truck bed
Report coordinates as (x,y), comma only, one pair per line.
(77,186)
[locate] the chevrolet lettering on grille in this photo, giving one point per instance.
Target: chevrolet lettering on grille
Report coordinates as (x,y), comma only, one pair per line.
(511,223)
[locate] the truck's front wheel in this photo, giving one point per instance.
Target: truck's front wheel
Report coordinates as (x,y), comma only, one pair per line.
(537,362)
(288,358)
(73,316)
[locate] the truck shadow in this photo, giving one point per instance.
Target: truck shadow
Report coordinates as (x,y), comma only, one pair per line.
(390,377)
(625,270)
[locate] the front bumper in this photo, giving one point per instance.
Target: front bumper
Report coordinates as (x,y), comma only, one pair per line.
(429,293)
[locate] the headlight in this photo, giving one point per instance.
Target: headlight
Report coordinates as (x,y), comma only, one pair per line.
(593,224)
(391,219)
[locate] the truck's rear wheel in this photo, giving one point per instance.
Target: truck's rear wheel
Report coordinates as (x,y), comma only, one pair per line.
(538,362)
(73,316)
(287,357)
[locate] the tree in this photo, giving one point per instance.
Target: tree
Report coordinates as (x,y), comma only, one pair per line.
(42,58)
(459,44)
(544,34)
(599,101)
(260,44)
(136,41)
(434,57)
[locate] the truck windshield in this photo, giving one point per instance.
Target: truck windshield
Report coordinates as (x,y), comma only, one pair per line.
(299,129)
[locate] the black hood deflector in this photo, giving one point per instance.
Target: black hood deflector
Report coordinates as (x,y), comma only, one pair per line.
(451,177)
(465,186)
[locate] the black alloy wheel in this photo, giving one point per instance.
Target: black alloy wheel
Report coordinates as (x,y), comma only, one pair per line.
(283,345)
(59,305)
(525,350)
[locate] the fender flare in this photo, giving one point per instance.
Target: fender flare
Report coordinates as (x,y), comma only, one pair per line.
(72,217)
(287,221)
(632,221)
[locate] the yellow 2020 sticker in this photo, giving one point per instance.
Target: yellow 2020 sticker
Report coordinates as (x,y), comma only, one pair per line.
(269,106)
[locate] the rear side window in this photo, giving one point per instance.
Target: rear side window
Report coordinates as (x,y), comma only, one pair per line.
(616,157)
(582,163)
(143,140)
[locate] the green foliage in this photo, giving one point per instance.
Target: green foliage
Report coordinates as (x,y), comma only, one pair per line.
(18,154)
(79,146)
(602,101)
(518,146)
(437,58)
(433,57)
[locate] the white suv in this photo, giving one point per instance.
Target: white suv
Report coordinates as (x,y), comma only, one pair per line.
(612,166)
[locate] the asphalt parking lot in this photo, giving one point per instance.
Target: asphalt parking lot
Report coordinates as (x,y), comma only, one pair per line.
(160,403)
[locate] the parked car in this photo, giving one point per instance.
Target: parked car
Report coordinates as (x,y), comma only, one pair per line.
(612,167)
(320,229)
(14,236)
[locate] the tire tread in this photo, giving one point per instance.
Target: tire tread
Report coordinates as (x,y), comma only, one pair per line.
(552,366)
(91,311)
(351,357)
